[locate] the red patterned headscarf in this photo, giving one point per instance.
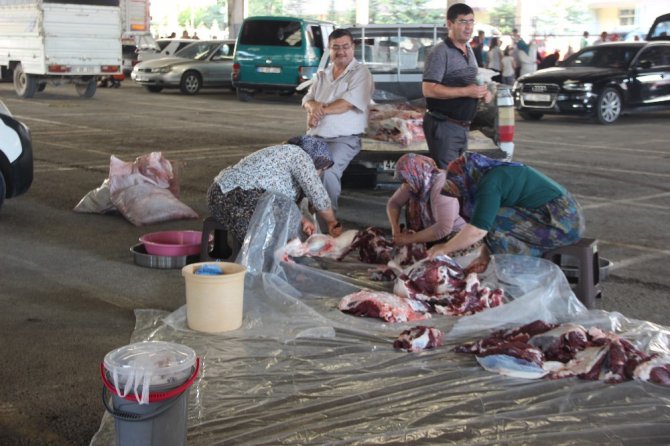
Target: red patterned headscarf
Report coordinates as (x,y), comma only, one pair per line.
(420,174)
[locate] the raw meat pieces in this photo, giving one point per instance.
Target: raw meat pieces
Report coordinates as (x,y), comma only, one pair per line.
(418,338)
(399,123)
(442,283)
(386,306)
(372,245)
(539,349)
(320,245)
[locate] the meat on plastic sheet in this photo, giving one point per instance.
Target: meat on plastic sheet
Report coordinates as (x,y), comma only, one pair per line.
(300,372)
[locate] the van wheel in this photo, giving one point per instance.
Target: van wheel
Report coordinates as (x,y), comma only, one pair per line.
(245,95)
(24,83)
(86,87)
(154,88)
(190,83)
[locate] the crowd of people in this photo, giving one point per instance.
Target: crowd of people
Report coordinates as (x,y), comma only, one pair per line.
(454,201)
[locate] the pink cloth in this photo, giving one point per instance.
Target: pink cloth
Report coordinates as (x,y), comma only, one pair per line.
(444,209)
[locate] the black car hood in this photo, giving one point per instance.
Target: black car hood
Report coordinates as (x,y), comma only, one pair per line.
(559,74)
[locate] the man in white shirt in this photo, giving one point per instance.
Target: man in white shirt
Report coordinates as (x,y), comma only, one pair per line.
(337,107)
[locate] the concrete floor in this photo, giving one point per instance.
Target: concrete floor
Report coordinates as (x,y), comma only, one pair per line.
(69,285)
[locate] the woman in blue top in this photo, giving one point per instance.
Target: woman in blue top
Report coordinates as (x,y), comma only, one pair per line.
(513,207)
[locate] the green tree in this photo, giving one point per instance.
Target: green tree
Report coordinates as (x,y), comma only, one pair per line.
(502,16)
(265,7)
(404,11)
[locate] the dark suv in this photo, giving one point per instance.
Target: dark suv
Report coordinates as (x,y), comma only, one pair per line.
(602,81)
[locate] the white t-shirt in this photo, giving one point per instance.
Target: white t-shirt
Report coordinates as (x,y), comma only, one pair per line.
(507,63)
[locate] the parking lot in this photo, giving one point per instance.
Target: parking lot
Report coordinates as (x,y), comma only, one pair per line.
(69,285)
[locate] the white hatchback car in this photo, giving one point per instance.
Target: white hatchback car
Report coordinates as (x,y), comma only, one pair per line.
(16,156)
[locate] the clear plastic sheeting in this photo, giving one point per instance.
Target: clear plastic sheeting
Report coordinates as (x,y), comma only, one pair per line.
(300,372)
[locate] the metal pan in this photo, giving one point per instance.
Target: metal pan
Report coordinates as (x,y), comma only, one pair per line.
(161,262)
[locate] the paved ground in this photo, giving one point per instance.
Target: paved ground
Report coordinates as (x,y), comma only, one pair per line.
(69,285)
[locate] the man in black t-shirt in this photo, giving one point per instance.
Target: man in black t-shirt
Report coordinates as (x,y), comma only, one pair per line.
(451,89)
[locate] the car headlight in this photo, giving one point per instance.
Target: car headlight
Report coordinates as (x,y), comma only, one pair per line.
(163,69)
(577,85)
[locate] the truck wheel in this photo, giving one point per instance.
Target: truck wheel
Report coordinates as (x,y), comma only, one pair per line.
(24,83)
(86,88)
(190,83)
(245,95)
(6,74)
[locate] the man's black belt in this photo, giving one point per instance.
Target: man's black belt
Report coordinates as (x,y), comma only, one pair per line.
(441,117)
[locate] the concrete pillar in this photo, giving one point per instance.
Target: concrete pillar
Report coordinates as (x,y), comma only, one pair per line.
(362,12)
(237,11)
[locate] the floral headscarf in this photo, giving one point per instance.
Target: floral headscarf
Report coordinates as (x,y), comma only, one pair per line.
(420,174)
(316,148)
(463,177)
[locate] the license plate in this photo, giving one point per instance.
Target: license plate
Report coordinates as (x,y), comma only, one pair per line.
(388,166)
(140,78)
(536,97)
(272,70)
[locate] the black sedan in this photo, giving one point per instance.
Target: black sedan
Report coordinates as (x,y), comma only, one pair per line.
(601,81)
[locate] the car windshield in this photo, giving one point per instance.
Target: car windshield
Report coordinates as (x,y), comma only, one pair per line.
(603,57)
(197,50)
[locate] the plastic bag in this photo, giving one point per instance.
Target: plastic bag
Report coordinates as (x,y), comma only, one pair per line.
(97,201)
(144,203)
(144,191)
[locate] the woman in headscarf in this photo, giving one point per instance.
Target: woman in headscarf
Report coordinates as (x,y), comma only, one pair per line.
(430,216)
(514,208)
(291,169)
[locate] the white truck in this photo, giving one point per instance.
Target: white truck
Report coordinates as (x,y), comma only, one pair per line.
(54,42)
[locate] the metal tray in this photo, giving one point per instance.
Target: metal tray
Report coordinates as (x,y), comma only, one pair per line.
(160,262)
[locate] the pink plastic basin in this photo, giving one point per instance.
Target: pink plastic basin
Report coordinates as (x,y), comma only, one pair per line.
(172,243)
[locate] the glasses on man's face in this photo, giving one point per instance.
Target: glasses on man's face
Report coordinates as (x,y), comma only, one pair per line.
(346,47)
(464,22)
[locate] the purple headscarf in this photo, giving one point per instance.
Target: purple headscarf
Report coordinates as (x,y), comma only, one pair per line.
(419,172)
(316,148)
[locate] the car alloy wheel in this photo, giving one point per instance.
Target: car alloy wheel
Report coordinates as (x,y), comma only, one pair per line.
(190,83)
(609,106)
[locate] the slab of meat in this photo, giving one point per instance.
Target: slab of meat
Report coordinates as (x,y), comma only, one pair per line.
(418,338)
(442,283)
(319,245)
(376,248)
(656,370)
(540,349)
(430,279)
(386,306)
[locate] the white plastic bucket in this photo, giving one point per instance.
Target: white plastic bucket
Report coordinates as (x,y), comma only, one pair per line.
(149,383)
(214,303)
